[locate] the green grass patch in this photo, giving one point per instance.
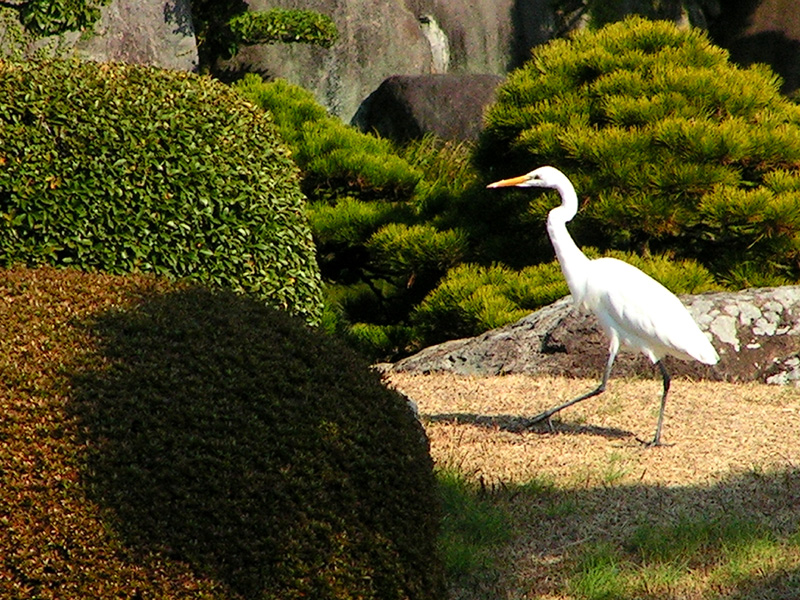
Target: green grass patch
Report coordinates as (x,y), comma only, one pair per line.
(474,526)
(695,557)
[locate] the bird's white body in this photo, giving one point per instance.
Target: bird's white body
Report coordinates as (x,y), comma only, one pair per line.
(632,307)
(642,313)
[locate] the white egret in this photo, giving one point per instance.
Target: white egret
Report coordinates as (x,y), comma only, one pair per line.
(633,308)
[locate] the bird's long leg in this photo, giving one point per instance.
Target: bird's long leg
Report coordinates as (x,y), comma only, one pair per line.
(665,376)
(613,348)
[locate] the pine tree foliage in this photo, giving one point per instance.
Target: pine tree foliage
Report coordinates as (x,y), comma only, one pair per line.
(417,249)
(349,222)
(336,159)
(671,147)
(282,25)
(374,215)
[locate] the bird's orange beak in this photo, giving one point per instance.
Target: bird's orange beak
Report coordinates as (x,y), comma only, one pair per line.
(507,182)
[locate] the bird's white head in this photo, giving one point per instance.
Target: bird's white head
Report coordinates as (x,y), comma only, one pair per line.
(546,177)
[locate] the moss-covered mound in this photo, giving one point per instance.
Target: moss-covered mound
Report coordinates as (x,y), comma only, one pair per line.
(124,168)
(172,442)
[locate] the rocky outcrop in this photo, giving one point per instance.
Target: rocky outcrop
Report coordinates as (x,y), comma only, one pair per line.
(491,36)
(756,333)
(151,32)
(408,106)
(376,39)
(765,31)
(403,37)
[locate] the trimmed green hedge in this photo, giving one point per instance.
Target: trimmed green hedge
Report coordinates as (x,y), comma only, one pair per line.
(128,168)
(164,441)
(287,26)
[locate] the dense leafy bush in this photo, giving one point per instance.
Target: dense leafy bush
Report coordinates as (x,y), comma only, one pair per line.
(172,442)
(49,17)
(123,168)
(675,149)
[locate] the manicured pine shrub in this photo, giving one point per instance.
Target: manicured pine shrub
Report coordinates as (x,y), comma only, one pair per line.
(336,160)
(126,168)
(222,27)
(282,25)
(374,212)
(671,148)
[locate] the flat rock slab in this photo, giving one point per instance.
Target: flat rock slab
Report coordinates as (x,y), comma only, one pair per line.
(756,333)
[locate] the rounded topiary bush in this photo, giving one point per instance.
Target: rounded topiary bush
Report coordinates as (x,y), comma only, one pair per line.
(671,147)
(173,442)
(126,168)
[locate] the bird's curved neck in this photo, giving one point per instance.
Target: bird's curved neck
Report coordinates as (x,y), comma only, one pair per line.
(574,263)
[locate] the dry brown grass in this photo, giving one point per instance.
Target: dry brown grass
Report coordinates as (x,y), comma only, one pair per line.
(733,449)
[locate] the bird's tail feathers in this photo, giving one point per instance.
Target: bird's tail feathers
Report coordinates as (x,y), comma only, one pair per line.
(707,355)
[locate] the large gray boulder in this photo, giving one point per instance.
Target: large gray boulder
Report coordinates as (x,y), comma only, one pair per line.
(409,106)
(756,333)
(379,39)
(376,39)
(150,32)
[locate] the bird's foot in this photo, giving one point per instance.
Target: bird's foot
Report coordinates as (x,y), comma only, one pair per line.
(654,443)
(545,416)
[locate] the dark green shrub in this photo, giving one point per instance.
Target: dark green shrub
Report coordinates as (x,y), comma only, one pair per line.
(672,146)
(124,168)
(49,17)
(172,442)
(281,25)
(211,20)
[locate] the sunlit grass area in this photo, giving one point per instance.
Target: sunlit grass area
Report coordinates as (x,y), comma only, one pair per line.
(694,558)
(587,513)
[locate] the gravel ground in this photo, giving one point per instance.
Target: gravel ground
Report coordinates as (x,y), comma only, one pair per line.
(711,430)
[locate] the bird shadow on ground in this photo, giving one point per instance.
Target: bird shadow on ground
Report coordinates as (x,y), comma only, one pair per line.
(518,424)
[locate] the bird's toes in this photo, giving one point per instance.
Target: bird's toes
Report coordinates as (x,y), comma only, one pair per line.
(532,422)
(654,443)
